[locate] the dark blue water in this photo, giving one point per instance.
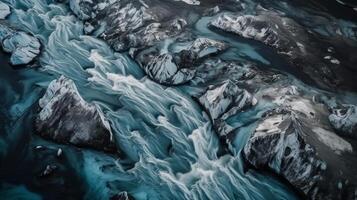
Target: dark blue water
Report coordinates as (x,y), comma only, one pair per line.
(147,119)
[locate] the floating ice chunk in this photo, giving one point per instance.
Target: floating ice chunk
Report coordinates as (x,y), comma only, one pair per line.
(177,67)
(163,69)
(332,60)
(191,2)
(335,61)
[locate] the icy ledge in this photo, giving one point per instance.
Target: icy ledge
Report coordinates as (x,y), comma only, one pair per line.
(66,117)
(23,47)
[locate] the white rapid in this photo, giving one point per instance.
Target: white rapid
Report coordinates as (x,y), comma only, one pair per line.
(170,146)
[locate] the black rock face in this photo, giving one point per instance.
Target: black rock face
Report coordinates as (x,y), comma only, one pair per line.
(304,153)
(326,61)
(66,118)
(175,68)
(344,120)
(122,196)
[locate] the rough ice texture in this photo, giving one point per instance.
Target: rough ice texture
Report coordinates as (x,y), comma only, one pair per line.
(298,45)
(4,10)
(125,24)
(225,100)
(23,47)
(66,117)
(307,155)
(344,120)
(174,68)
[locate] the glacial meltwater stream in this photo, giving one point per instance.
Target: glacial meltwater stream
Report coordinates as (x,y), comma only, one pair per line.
(169,147)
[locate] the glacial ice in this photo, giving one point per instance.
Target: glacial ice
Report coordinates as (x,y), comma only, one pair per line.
(191,2)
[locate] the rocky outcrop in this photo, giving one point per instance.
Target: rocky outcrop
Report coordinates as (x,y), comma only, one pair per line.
(202,47)
(318,61)
(225,100)
(126,24)
(174,68)
(23,47)
(65,117)
(344,120)
(122,196)
(305,152)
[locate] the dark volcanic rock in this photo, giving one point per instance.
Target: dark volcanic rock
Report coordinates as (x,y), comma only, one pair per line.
(306,153)
(23,47)
(122,196)
(66,117)
(320,59)
(48,170)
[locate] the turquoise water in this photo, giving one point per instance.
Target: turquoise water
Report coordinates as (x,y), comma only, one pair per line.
(170,146)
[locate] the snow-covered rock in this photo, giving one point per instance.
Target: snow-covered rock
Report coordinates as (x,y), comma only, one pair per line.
(4,10)
(308,155)
(66,117)
(173,68)
(82,8)
(202,47)
(225,100)
(125,24)
(23,47)
(162,69)
(191,2)
(344,120)
(122,196)
(268,28)
(302,48)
